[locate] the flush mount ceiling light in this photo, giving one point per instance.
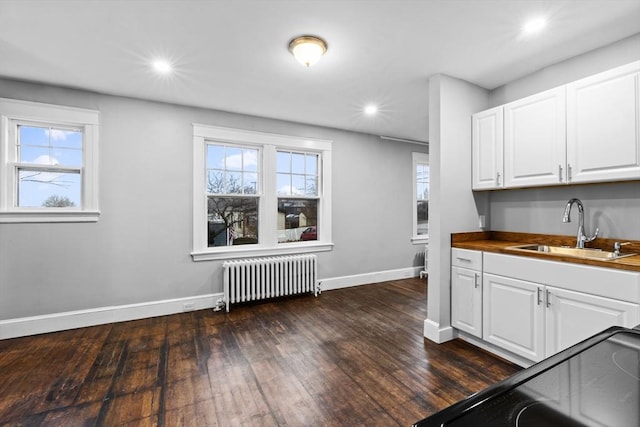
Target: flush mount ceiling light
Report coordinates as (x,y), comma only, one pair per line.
(307,49)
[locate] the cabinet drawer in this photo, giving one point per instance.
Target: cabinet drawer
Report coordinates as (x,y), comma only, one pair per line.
(466,259)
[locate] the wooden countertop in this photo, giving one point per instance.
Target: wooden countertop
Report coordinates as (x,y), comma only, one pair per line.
(500,241)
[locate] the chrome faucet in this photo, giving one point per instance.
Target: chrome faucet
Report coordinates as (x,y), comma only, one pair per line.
(581,238)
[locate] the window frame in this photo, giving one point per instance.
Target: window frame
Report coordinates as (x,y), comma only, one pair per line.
(16,112)
(268,144)
(417,159)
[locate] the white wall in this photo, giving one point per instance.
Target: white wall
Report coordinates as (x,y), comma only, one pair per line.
(139,250)
(453,207)
(615,207)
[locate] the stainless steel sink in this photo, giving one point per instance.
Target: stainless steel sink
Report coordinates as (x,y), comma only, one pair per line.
(597,254)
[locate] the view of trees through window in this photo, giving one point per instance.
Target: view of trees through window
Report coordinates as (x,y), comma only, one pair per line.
(232,202)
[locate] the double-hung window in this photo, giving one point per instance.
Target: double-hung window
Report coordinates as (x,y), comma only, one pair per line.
(420,197)
(48,163)
(259,194)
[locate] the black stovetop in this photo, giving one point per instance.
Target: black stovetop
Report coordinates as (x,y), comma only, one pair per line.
(594,383)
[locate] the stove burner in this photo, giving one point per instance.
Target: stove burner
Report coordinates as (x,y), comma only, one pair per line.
(627,361)
(539,414)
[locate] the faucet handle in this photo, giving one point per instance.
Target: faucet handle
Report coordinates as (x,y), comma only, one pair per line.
(618,245)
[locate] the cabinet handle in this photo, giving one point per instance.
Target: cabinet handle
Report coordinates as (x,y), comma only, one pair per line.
(539,296)
(568,172)
(560,173)
(475,281)
(463,259)
(548,298)
(497,178)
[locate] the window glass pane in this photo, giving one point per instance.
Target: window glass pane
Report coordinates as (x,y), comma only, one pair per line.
(35,154)
(33,135)
(232,221)
(297,163)
(62,138)
(312,164)
(297,220)
(250,160)
(283,162)
(297,185)
(51,189)
(250,183)
(283,184)
(233,159)
(233,184)
(311,188)
(215,156)
(423,217)
(215,182)
(49,146)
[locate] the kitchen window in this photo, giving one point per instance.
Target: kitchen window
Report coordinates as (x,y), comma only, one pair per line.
(48,163)
(420,198)
(259,194)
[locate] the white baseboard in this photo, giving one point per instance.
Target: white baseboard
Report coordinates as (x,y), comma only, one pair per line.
(435,333)
(33,325)
(368,278)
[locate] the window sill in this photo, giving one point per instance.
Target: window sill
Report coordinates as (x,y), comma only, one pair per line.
(420,240)
(48,216)
(244,252)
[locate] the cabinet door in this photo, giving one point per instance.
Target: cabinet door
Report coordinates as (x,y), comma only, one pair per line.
(466,300)
(513,315)
(487,144)
(573,316)
(603,115)
(535,140)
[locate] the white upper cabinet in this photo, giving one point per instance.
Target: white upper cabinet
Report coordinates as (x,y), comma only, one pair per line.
(487,128)
(535,140)
(603,119)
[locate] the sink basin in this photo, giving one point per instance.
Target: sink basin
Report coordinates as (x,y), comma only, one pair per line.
(597,254)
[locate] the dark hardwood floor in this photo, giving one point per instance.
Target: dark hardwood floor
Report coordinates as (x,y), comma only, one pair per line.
(351,357)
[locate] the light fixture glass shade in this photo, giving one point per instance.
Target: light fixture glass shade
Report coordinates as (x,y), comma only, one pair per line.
(307,49)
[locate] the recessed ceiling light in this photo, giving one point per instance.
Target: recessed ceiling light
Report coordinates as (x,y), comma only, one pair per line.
(370,109)
(162,66)
(534,25)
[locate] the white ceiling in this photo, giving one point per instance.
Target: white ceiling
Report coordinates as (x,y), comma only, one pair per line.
(232,54)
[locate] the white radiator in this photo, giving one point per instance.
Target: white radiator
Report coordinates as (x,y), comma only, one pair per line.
(261,278)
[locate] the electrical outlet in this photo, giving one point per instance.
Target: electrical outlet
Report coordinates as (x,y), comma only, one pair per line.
(482,221)
(188,306)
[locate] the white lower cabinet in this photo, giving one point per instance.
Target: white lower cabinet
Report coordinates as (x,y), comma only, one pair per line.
(466,295)
(574,316)
(513,315)
(535,308)
(466,291)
